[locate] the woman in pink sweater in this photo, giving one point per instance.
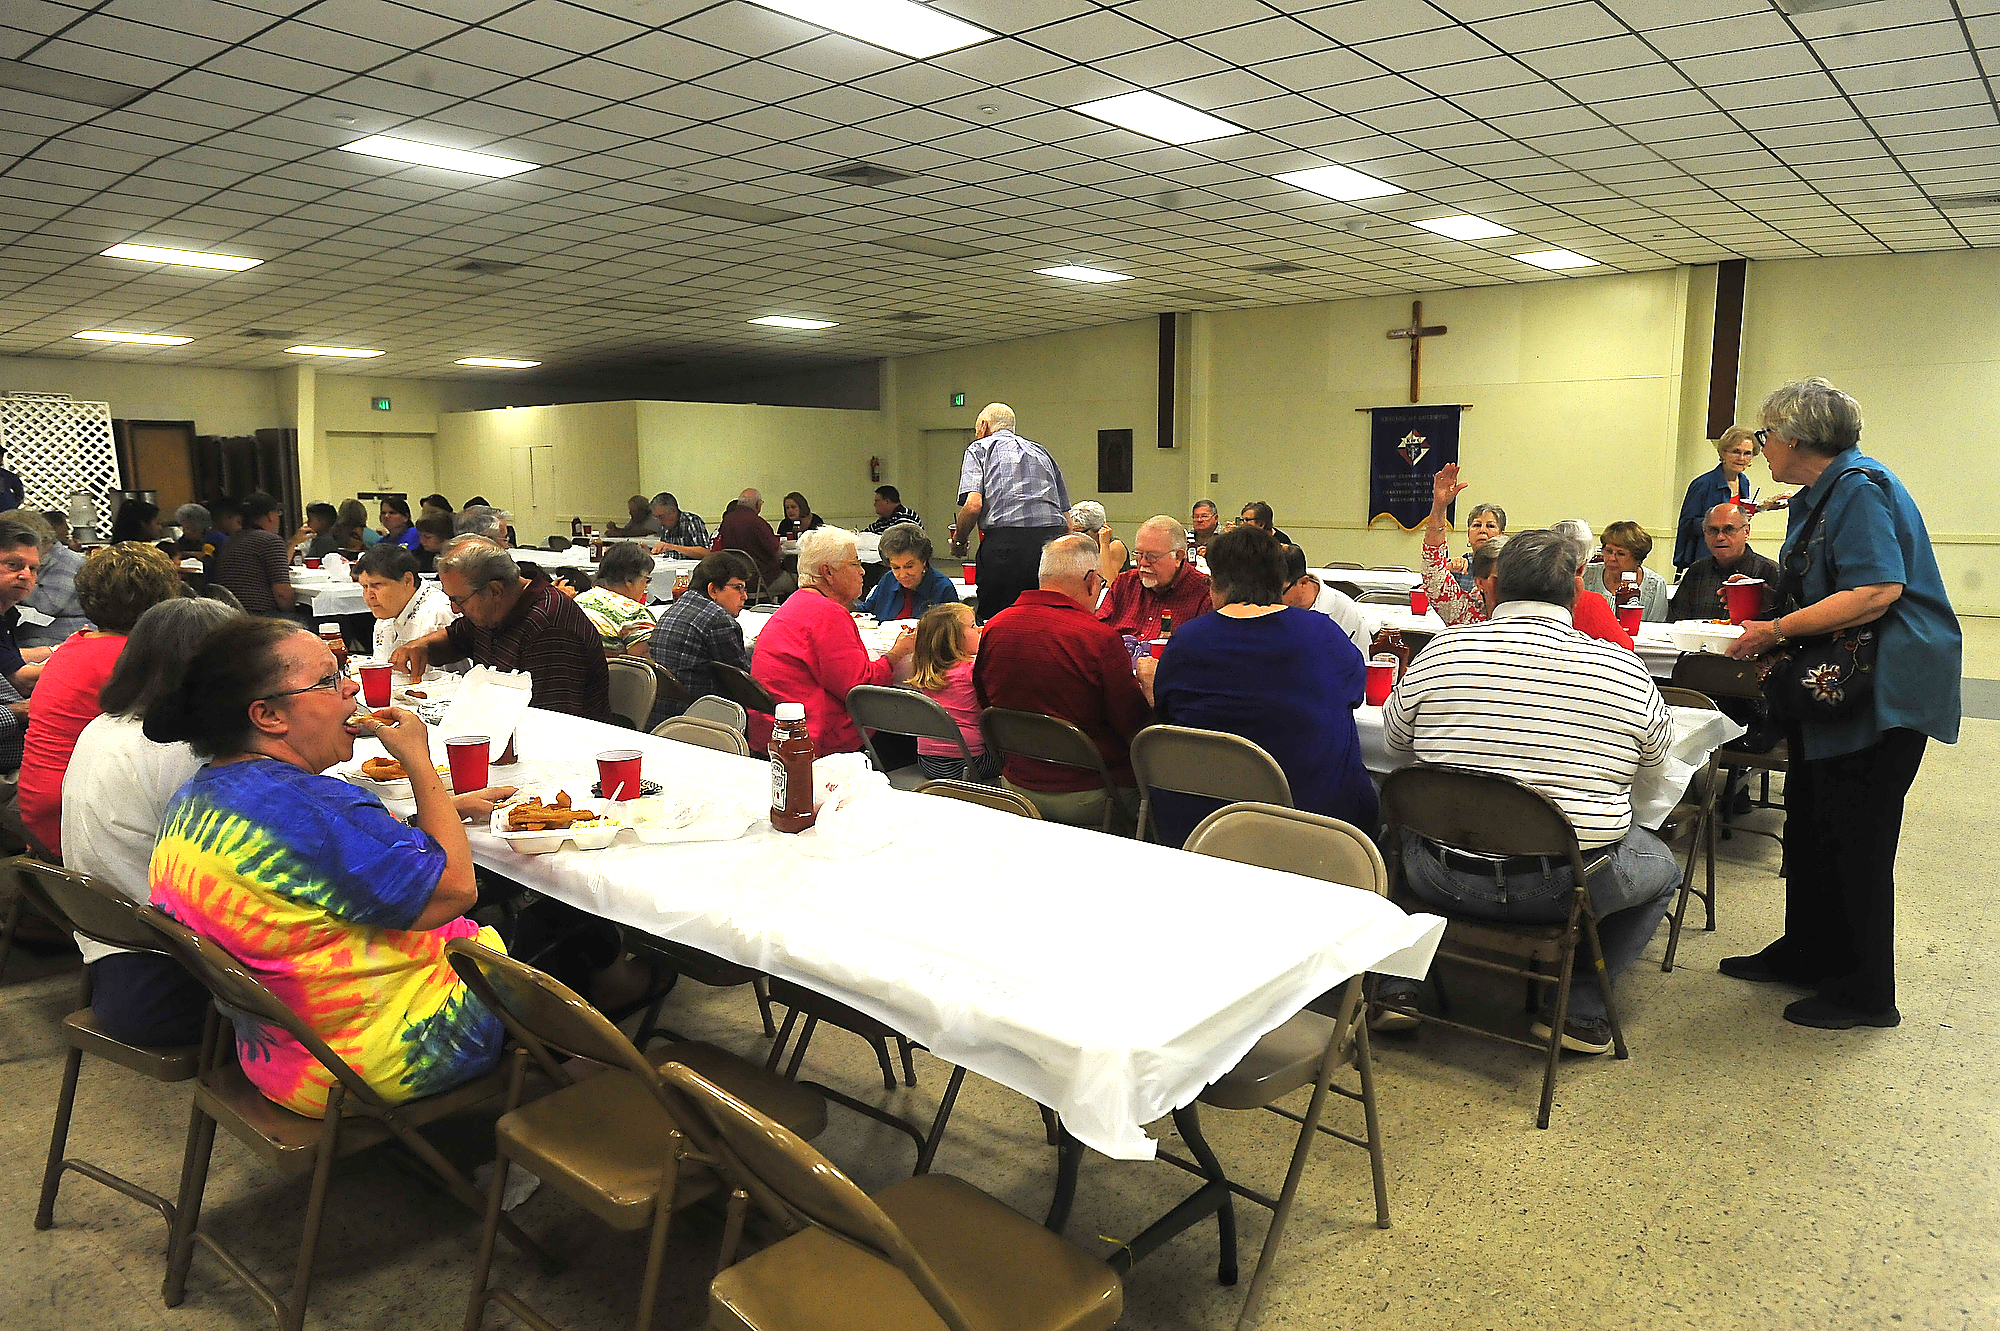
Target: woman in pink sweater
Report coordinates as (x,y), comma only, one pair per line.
(811,653)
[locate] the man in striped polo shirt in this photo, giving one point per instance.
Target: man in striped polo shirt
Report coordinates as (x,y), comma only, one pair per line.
(1526,696)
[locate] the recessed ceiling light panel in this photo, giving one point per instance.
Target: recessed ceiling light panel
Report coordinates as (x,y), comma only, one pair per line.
(1340,182)
(430,154)
(184,258)
(355,353)
(1464,227)
(787,321)
(1160,118)
(1554,259)
(918,31)
(143,339)
(1076,273)
(496,362)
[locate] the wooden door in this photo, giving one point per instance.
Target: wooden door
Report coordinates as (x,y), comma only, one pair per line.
(159,456)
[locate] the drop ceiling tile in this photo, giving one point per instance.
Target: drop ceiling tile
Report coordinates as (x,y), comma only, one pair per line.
(433,74)
(1929,71)
(1361,21)
(760,81)
(567,26)
(746,29)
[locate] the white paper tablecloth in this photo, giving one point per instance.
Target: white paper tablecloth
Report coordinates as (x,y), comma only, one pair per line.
(1371,580)
(1657,650)
(1102,977)
(1698,732)
(1378,617)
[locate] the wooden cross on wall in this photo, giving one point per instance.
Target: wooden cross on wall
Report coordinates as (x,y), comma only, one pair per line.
(1416,333)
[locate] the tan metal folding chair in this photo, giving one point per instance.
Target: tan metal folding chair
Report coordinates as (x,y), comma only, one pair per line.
(1048,739)
(926,1252)
(633,686)
(620,1143)
(1343,563)
(708,734)
(1351,590)
(670,687)
(1695,816)
(1483,814)
(1717,676)
(1212,763)
(83,905)
(723,711)
(356,1118)
(993,797)
(903,712)
(1378,597)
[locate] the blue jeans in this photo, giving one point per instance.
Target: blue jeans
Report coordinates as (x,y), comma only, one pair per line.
(1630,895)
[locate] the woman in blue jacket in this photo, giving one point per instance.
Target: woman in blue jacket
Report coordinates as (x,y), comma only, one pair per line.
(1736,448)
(911,586)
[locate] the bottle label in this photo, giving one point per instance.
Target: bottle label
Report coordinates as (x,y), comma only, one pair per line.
(778,786)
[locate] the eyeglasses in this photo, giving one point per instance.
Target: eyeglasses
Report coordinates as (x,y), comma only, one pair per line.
(330,682)
(1720,531)
(1762,437)
(738,585)
(1153,556)
(458,602)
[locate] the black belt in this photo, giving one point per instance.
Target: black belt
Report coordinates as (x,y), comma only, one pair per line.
(1486,868)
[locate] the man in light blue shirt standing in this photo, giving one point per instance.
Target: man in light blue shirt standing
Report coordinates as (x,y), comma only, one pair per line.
(1014,491)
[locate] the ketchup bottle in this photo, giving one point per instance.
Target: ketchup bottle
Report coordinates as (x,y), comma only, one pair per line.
(1629,603)
(329,633)
(1389,642)
(791,770)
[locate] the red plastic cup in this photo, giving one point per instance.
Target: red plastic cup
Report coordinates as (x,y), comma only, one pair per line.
(618,774)
(312,561)
(375,683)
(468,757)
(971,573)
(1155,647)
(1630,617)
(1381,680)
(1744,599)
(1420,602)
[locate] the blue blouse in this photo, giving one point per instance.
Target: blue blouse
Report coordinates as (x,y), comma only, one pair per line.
(1288,682)
(1871,532)
(1703,493)
(886,601)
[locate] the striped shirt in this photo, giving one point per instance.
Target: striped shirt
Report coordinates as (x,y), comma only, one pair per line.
(1526,696)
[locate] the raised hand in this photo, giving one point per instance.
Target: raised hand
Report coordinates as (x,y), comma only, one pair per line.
(1445,486)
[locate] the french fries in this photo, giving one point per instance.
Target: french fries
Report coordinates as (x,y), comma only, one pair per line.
(535,816)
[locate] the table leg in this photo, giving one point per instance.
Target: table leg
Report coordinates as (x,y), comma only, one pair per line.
(1069,1158)
(1211,1196)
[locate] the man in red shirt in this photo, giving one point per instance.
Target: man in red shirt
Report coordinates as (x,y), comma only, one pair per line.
(1046,653)
(1163,583)
(743,528)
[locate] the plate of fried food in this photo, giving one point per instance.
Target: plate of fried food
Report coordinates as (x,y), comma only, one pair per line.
(385,777)
(534,826)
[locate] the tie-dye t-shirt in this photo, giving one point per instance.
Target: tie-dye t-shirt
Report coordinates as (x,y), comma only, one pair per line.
(312,886)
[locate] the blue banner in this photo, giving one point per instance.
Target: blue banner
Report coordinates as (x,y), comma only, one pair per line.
(1406,447)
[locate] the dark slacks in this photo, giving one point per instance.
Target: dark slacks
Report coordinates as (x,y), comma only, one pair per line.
(1843,818)
(1009,561)
(147,999)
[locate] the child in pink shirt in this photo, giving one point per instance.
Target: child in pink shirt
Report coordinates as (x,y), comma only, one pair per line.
(947,643)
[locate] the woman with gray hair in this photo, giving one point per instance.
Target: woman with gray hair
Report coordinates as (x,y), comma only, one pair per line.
(1450,582)
(811,653)
(617,603)
(1592,615)
(1086,517)
(1857,563)
(912,586)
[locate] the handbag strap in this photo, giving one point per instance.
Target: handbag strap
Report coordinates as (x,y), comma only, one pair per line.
(1792,582)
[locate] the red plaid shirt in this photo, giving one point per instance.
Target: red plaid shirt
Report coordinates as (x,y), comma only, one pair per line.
(1045,653)
(1133,607)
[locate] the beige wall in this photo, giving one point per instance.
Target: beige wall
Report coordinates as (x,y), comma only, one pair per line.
(217,401)
(705,453)
(543,464)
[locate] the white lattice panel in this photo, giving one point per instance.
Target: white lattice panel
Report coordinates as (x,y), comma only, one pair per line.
(55,446)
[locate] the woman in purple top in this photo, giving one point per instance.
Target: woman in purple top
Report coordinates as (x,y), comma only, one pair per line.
(1287,680)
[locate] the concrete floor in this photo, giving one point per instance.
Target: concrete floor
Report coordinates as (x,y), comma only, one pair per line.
(1736,1172)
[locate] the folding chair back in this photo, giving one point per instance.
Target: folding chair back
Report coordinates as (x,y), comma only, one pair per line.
(1343,563)
(1291,841)
(670,687)
(542,1013)
(1204,762)
(633,686)
(1478,812)
(993,797)
(708,734)
(1717,676)
(80,904)
(722,711)
(1391,568)
(559,542)
(902,712)
(1351,590)
(753,576)
(1417,640)
(1383,598)
(1049,739)
(740,688)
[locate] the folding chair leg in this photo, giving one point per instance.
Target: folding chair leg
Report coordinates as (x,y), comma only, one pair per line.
(761,986)
(1567,962)
(732,1230)
(482,1270)
(930,1148)
(909,1065)
(1364,1063)
(187,1210)
(45,1212)
(799,1049)
(784,1034)
(15,905)
(881,1044)
(1281,1214)
(656,1250)
(1604,982)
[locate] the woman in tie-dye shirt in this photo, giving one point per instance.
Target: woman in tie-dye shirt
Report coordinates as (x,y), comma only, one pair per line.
(342,910)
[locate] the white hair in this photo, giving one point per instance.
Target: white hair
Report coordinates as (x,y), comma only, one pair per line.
(1088,514)
(997,416)
(1577,532)
(821,547)
(1068,559)
(1176,533)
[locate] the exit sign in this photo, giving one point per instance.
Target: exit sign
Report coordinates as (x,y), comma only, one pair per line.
(381,404)
(958,399)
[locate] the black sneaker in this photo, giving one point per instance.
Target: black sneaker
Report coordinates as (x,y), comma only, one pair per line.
(1581,1035)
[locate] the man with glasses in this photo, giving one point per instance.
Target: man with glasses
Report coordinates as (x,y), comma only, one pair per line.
(1164,583)
(1726,529)
(511,622)
(700,629)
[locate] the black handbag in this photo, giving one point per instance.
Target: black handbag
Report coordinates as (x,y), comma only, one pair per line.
(1824,678)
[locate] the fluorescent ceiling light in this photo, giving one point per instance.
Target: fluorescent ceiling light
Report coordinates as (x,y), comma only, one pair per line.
(144,339)
(496,362)
(185,258)
(1160,118)
(430,154)
(1556,259)
(1340,182)
(1464,227)
(1077,274)
(915,30)
(787,321)
(357,353)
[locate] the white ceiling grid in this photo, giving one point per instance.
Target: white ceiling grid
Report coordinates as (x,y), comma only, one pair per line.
(1642,133)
